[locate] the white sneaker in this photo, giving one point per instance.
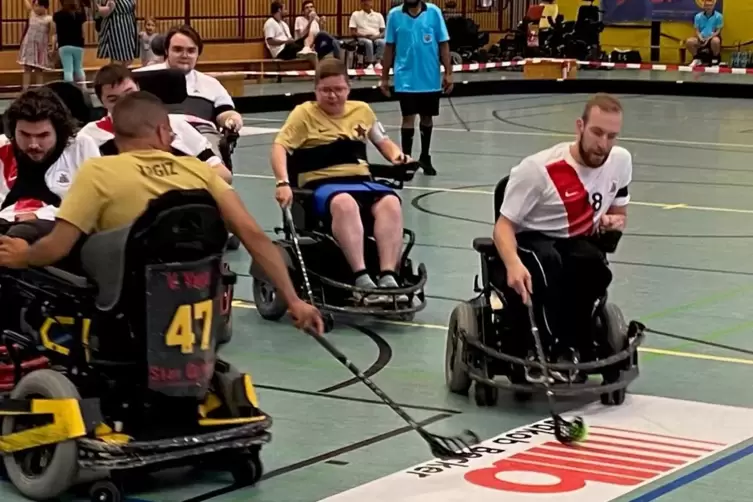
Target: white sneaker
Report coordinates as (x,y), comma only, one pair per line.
(366,282)
(305,51)
(695,62)
(387,281)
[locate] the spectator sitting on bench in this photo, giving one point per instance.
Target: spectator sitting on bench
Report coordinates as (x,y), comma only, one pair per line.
(278,39)
(708,26)
(367,25)
(308,27)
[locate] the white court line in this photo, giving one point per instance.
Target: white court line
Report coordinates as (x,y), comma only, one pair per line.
(657,141)
(487,192)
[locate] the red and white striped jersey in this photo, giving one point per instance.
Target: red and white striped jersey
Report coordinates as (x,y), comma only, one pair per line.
(549,192)
(188,141)
(58,178)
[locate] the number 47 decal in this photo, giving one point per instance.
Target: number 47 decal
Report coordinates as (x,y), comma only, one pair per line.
(181,333)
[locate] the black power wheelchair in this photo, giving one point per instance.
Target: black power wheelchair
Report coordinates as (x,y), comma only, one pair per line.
(487,337)
(112,370)
(163,84)
(329,272)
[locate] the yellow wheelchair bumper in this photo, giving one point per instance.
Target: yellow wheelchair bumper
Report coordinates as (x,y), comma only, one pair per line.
(49,433)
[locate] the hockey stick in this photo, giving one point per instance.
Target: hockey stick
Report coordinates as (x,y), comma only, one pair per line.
(442,447)
(565,432)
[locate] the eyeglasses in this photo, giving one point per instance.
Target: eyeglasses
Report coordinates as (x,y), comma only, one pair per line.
(332,90)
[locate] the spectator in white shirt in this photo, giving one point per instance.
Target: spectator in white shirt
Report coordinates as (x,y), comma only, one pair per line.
(280,42)
(367,25)
(308,27)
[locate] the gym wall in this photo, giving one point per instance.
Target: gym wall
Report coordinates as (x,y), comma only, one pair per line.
(233,28)
(738,29)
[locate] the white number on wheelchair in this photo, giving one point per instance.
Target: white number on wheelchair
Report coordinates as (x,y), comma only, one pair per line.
(181,331)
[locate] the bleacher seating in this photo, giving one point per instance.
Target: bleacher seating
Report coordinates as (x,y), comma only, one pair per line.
(232,31)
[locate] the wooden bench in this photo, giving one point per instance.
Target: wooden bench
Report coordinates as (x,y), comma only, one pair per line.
(11,80)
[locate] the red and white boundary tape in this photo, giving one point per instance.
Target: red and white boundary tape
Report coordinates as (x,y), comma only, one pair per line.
(466,68)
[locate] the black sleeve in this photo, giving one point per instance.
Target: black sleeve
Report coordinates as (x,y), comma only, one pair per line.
(108,148)
(177,152)
(205,155)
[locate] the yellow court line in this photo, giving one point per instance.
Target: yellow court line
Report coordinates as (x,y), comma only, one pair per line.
(647,350)
(662,205)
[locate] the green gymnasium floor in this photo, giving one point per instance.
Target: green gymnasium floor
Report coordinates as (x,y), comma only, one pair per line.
(693,176)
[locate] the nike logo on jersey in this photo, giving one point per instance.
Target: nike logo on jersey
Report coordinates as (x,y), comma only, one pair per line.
(571,194)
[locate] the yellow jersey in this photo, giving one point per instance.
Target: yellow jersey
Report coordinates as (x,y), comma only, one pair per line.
(113,191)
(322,147)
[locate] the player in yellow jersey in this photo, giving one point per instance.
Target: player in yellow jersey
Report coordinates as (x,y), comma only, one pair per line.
(323,144)
(111,192)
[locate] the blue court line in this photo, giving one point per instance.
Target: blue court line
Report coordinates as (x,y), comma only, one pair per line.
(697,474)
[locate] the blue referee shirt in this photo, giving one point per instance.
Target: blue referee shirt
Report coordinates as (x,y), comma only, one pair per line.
(706,25)
(416,39)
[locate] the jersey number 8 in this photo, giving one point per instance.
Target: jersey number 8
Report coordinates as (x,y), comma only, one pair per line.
(596,200)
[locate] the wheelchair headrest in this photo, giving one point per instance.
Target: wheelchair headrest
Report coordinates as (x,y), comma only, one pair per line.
(158,45)
(499,195)
(78,102)
(180,225)
(177,227)
(168,85)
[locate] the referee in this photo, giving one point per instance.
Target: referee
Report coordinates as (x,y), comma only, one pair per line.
(416,40)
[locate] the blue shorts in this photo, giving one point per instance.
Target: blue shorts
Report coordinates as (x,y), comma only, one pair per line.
(361,191)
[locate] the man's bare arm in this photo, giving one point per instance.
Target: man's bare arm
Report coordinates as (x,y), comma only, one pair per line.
(53,247)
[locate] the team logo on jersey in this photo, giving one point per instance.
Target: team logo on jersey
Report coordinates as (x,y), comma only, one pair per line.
(427,38)
(361,131)
(63,179)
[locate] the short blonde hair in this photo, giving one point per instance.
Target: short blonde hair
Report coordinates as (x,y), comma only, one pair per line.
(330,67)
(604,102)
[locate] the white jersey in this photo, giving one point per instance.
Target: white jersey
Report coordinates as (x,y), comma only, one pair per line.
(549,192)
(58,178)
(207,97)
(188,141)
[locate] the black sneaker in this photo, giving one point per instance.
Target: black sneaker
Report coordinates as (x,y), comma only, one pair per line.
(426,165)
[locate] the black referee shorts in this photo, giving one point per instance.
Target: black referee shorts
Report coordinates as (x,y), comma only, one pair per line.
(425,104)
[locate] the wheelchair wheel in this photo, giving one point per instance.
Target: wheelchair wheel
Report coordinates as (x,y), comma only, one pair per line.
(270,305)
(45,472)
(233,243)
(247,468)
(615,332)
(105,491)
(463,317)
(485,395)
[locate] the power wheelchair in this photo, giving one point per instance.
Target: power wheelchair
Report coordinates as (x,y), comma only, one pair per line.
(113,370)
(487,337)
(163,84)
(327,269)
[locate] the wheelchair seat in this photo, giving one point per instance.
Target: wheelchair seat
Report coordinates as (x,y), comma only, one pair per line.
(485,245)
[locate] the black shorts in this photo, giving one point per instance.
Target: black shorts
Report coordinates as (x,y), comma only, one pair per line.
(425,104)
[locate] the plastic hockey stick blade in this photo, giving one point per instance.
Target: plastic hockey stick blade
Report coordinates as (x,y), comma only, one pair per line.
(442,447)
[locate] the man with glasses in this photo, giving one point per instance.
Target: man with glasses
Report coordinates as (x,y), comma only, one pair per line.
(209,105)
(323,143)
